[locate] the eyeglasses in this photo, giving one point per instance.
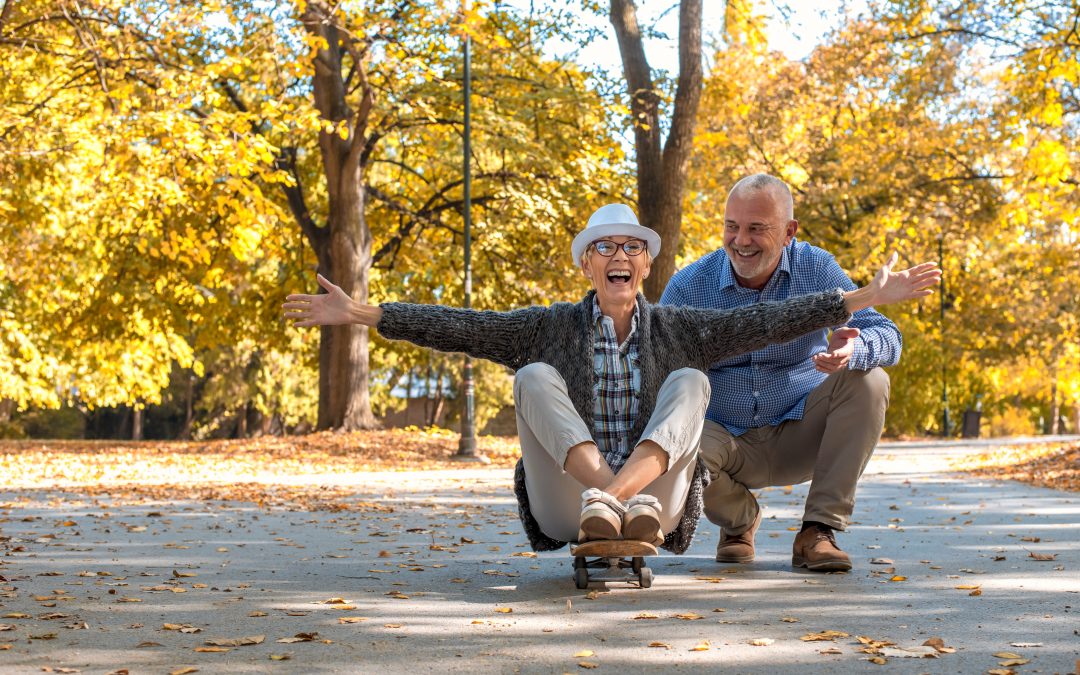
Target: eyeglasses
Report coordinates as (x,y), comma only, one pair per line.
(607,248)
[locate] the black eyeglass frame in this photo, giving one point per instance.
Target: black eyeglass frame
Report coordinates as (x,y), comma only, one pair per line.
(644,247)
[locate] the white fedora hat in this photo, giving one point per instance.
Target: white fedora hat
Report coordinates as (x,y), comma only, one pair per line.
(613,220)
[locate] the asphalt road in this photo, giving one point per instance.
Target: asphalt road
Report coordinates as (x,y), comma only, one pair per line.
(431,573)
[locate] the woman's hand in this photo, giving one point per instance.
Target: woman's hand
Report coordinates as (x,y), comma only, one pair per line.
(333,308)
(888,287)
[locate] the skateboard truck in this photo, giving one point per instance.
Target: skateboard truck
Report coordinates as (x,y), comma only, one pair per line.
(612,560)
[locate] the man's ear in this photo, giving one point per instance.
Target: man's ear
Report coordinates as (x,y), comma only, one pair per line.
(792,228)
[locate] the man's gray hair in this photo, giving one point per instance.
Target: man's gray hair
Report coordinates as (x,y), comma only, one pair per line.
(778,189)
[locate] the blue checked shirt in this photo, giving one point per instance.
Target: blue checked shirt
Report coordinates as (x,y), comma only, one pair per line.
(617,383)
(770,386)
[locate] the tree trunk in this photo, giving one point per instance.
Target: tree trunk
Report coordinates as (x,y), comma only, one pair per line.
(343,247)
(189,410)
(1055,405)
(661,173)
(136,423)
(1076,418)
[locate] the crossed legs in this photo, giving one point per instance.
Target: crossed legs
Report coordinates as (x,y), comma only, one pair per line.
(561,459)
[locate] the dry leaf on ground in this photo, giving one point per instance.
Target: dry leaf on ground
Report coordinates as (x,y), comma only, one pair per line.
(237,642)
(922,652)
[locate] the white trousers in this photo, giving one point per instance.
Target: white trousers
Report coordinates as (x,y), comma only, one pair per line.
(548,426)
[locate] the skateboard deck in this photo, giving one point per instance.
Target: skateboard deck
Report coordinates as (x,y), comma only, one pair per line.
(612,560)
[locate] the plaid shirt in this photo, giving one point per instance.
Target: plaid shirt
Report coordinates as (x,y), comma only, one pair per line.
(769,386)
(617,383)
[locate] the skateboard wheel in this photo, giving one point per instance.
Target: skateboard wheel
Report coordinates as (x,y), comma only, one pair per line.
(645,577)
(581,577)
(636,564)
(579,563)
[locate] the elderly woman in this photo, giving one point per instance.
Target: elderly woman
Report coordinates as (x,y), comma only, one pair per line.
(610,391)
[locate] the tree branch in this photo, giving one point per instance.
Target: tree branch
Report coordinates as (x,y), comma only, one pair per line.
(294,194)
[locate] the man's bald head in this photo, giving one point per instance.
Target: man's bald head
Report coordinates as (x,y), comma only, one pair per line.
(777,189)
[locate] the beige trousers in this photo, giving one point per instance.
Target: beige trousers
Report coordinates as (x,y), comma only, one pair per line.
(829,446)
(548,426)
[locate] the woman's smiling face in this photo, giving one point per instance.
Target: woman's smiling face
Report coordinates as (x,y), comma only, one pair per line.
(616,278)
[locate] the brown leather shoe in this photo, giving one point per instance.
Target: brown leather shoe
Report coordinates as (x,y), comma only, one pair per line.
(738,548)
(815,549)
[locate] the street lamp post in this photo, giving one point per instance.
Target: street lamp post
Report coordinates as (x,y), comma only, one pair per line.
(467,451)
(945,424)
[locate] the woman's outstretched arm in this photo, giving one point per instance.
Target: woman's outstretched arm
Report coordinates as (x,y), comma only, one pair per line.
(728,333)
(502,337)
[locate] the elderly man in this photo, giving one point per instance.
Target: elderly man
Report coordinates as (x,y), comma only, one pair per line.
(808,410)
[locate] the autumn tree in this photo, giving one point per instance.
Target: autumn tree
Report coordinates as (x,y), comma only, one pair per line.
(154,152)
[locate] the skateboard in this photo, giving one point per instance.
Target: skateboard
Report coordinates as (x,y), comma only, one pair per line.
(612,560)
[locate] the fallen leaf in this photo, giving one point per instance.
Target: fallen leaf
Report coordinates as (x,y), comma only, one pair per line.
(53,615)
(7,626)
(761,642)
(828,635)
(351,619)
(183,671)
(1006,655)
(660,645)
(588,665)
(256,613)
(977,591)
(5,647)
(143,645)
(1000,671)
(646,615)
(280,657)
(689,616)
(504,610)
(1025,644)
(16,615)
(939,644)
(310,637)
(967,587)
(789,619)
(212,649)
(881,561)
(898,577)
(584,653)
(923,652)
(830,650)
(237,642)
(1008,663)
(702,646)
(878,660)
(1042,556)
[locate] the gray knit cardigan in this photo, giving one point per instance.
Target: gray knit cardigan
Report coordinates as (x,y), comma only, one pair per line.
(561,335)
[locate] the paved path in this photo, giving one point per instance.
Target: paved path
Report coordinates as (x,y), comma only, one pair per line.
(429,569)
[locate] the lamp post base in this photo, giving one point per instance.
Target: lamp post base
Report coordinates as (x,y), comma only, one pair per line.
(470,459)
